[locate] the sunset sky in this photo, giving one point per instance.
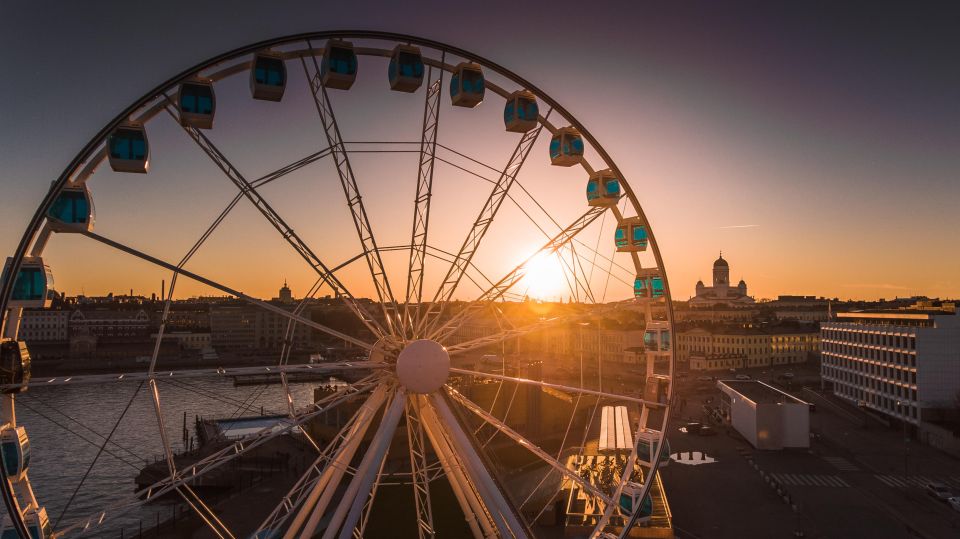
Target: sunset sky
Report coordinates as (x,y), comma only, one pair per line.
(817,146)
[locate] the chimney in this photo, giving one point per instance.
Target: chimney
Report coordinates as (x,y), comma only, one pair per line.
(163,289)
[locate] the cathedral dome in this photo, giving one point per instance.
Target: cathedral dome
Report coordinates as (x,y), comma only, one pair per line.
(721,263)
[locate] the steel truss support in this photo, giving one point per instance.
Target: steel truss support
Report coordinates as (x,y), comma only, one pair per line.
(418,468)
(443,330)
(360,489)
(472,242)
(478,517)
(508,522)
(527,444)
(421,203)
(355,202)
(249,191)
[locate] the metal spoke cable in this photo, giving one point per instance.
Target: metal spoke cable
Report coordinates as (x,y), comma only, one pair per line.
(97,457)
(81,436)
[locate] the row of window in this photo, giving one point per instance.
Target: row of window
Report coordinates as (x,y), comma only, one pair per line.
(894,357)
(870,375)
(873,339)
(876,401)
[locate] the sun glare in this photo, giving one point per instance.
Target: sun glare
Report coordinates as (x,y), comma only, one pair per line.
(544,278)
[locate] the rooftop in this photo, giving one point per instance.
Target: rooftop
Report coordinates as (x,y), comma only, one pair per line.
(759,392)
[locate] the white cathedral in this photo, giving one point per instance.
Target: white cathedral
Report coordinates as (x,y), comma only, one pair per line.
(721,292)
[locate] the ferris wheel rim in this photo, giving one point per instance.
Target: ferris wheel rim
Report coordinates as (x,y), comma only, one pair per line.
(90,148)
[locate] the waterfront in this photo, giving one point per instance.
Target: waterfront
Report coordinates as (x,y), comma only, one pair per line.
(67,426)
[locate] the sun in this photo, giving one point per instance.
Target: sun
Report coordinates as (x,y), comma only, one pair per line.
(544,278)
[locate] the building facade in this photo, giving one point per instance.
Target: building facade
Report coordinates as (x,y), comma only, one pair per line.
(45,325)
(745,347)
(904,364)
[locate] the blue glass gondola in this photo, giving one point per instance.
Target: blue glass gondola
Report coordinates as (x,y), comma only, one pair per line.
(72,211)
(268,77)
(15,450)
(631,235)
(33,286)
(197,104)
(128,149)
(467,86)
(405,70)
(566,147)
(656,388)
(14,365)
(647,444)
(38,525)
(603,189)
(520,114)
(648,284)
(338,67)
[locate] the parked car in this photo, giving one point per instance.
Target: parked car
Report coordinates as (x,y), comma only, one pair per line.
(788,375)
(954,503)
(704,378)
(707,430)
(743,377)
(939,491)
(692,428)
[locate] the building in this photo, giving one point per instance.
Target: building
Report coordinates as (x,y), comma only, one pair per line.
(725,347)
(111,324)
(721,292)
(243,326)
(767,417)
(903,364)
(44,325)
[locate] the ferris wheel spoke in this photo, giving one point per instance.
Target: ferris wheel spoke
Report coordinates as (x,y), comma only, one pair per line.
(206,514)
(501,189)
(559,387)
(251,193)
(443,330)
(503,514)
(526,444)
(230,291)
(292,167)
(421,203)
(351,191)
(222,457)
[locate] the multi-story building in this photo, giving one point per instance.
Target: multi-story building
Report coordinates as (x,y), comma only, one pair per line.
(241,326)
(117,324)
(735,347)
(44,325)
(905,364)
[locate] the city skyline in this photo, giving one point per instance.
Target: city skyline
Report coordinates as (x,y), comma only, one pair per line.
(782,139)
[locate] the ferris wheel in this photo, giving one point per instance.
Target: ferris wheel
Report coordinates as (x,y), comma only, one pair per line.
(447,341)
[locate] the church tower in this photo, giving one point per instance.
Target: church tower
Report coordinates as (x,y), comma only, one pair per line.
(721,272)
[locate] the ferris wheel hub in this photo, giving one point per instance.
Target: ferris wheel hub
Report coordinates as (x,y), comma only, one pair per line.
(423,366)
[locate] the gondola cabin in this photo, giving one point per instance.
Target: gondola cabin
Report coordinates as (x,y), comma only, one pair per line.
(33,286)
(656,338)
(15,448)
(648,284)
(631,235)
(338,67)
(38,525)
(566,147)
(603,189)
(656,388)
(467,85)
(520,113)
(128,149)
(630,502)
(14,365)
(405,70)
(647,445)
(197,104)
(72,211)
(268,76)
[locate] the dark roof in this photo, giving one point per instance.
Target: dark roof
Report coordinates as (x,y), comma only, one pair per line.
(721,263)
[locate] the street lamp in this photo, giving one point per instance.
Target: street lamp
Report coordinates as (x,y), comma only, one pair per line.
(906,440)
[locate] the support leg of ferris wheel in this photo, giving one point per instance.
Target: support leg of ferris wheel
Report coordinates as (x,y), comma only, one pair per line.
(314,507)
(351,191)
(421,203)
(478,518)
(358,492)
(418,468)
(508,522)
